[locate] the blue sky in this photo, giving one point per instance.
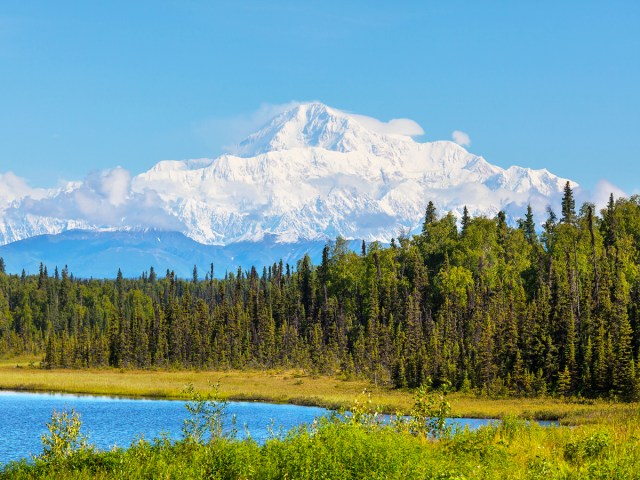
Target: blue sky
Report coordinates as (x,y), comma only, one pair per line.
(91,85)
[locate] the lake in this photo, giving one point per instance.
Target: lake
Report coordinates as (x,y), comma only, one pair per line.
(109,421)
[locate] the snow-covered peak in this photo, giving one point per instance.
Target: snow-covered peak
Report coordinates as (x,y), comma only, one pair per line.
(316,125)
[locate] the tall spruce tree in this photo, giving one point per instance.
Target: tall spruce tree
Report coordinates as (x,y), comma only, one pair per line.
(568,205)
(528,226)
(465,220)
(430,216)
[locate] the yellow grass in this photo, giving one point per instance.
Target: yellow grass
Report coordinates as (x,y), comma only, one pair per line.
(273,386)
(288,387)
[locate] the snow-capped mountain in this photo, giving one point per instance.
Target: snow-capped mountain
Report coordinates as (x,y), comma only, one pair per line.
(312,173)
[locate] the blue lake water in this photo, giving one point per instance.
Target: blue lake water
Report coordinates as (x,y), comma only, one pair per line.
(109,421)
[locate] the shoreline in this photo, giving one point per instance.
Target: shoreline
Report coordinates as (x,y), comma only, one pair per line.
(291,387)
(300,402)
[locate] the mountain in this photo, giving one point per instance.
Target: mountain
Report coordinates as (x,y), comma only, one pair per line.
(312,173)
(100,254)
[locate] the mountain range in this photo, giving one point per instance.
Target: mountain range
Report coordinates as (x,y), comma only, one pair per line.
(309,175)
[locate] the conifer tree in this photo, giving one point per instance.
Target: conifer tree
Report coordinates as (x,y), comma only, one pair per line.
(568,205)
(528,225)
(608,224)
(430,216)
(465,220)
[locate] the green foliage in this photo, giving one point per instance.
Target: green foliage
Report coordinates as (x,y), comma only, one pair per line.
(206,416)
(64,438)
(362,412)
(430,412)
(587,448)
(568,205)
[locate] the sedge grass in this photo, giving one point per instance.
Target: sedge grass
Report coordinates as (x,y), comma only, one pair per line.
(292,386)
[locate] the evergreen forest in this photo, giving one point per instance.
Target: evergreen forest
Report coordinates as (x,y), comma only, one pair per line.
(480,304)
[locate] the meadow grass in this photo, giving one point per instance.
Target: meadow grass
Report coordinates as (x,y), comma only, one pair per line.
(293,386)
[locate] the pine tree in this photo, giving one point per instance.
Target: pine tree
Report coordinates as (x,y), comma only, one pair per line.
(564,382)
(568,206)
(549,228)
(194,275)
(430,216)
(608,224)
(465,220)
(623,374)
(528,226)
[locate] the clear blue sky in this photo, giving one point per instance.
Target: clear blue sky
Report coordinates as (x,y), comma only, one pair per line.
(88,85)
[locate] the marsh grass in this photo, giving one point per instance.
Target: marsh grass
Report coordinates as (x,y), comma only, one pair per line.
(296,387)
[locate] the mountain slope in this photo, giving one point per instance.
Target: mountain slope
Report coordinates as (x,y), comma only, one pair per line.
(101,254)
(311,174)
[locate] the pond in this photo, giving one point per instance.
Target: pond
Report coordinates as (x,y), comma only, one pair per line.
(109,421)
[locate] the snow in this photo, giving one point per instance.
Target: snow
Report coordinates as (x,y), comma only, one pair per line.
(313,172)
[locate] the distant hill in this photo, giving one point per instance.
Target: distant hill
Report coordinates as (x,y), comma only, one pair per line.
(100,254)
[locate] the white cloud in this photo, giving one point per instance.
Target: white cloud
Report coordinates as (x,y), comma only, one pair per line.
(114,185)
(602,191)
(102,199)
(461,138)
(395,126)
(14,188)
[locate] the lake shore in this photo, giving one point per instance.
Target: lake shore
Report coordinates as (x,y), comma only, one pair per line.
(293,387)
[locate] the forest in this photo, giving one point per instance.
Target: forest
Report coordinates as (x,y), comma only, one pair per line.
(482,305)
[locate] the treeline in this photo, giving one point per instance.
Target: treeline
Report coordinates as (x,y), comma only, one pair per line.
(485,306)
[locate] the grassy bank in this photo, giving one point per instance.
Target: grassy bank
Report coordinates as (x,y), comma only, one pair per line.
(272,386)
(291,387)
(345,448)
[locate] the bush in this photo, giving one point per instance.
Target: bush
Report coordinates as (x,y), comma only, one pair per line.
(206,415)
(64,438)
(431,409)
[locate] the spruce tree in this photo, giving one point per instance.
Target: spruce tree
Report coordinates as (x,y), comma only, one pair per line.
(430,216)
(528,226)
(609,223)
(465,220)
(568,206)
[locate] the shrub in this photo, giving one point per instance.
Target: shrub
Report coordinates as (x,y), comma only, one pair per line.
(64,437)
(430,411)
(206,414)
